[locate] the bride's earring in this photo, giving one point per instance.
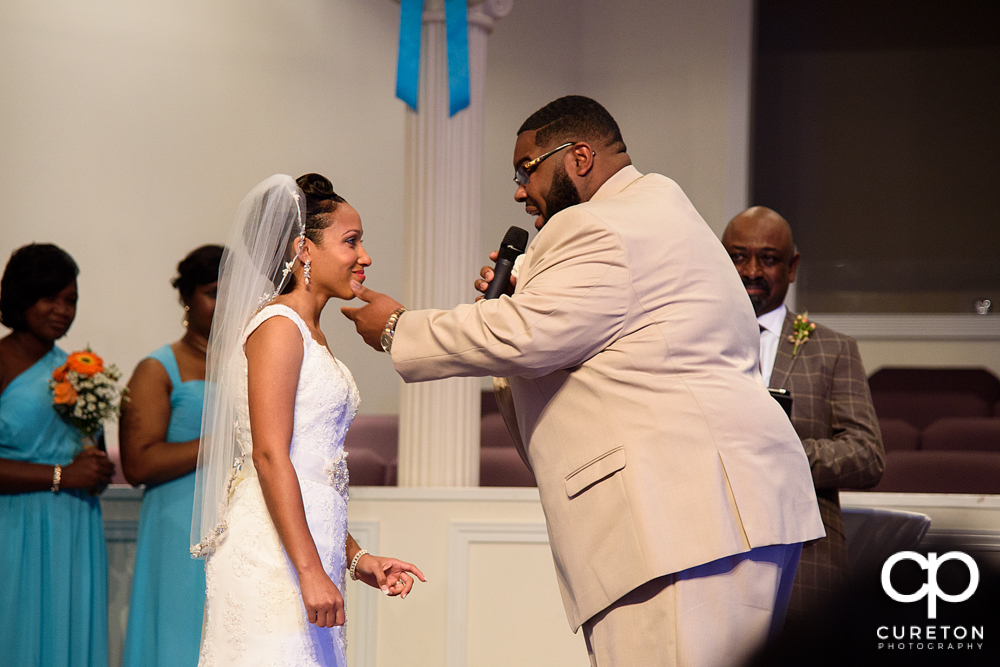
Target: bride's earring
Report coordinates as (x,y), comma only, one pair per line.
(305,271)
(185,320)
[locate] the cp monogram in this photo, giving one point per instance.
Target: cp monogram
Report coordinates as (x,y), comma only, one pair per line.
(930,590)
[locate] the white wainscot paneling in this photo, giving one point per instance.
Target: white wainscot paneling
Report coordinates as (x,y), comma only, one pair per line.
(500,612)
(491,596)
(361,603)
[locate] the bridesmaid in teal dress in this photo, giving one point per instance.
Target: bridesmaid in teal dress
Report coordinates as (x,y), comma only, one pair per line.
(159,432)
(54,596)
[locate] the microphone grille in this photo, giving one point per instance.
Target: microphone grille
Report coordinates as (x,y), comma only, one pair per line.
(516,237)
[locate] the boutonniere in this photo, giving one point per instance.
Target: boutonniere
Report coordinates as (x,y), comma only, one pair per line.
(801,328)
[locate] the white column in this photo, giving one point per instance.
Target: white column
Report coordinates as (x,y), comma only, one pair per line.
(439,421)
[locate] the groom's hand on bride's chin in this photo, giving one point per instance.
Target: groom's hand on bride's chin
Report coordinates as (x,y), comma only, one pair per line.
(370,319)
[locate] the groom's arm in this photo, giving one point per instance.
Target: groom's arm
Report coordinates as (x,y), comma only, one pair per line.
(571,302)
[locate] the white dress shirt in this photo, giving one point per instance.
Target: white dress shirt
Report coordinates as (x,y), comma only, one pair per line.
(516,269)
(770,332)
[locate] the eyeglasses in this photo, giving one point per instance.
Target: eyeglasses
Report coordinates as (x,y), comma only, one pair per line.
(522,175)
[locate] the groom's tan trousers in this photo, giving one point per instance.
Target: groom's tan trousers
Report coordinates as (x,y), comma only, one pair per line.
(712,615)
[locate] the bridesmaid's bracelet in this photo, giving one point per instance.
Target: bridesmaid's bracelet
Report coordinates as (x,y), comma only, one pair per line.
(56,478)
(354,563)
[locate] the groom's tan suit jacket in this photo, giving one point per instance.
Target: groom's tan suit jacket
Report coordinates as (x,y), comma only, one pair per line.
(631,349)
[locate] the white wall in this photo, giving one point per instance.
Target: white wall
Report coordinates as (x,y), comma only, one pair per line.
(130,131)
(675,75)
(878,354)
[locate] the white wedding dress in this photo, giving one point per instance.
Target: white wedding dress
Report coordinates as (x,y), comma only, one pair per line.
(253,606)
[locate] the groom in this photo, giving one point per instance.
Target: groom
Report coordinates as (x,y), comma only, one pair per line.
(675,490)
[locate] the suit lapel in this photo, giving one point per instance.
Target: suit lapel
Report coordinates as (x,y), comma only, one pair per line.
(783,359)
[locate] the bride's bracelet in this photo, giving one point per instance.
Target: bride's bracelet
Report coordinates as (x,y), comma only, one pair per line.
(354,564)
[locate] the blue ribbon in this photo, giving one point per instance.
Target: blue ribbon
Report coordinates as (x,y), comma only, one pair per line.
(457,31)
(408,65)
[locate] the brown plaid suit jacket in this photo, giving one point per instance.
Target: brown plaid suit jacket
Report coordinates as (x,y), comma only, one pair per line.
(832,413)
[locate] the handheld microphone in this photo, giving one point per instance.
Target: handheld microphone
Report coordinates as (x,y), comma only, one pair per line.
(513,244)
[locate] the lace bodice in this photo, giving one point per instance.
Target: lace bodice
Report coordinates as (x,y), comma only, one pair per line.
(325,405)
(253,607)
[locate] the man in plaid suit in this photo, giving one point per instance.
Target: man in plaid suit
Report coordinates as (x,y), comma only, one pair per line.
(832,409)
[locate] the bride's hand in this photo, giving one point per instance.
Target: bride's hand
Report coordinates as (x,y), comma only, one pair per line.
(323,601)
(391,575)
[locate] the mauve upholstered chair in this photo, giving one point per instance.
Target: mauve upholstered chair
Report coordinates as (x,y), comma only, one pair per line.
(499,462)
(371,445)
(963,433)
(899,434)
(924,395)
(941,472)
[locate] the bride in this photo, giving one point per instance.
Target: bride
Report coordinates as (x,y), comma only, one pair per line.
(270,500)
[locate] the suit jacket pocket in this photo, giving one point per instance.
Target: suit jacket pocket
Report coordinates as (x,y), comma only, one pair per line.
(603,466)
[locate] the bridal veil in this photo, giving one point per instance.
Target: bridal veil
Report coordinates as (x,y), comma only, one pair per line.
(259,255)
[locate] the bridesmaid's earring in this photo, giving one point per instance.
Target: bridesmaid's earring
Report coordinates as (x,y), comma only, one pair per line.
(305,271)
(185,320)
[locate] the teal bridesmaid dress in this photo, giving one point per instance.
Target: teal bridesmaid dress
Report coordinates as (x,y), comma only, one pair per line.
(54,595)
(168,586)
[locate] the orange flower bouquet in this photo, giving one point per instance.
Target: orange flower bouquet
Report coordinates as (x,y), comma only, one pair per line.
(86,392)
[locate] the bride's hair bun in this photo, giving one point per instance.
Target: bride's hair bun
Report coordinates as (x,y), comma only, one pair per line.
(320,199)
(318,186)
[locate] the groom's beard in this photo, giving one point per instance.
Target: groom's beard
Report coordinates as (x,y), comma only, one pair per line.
(562,194)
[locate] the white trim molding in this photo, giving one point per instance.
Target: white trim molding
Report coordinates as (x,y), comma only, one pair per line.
(461,536)
(121,506)
(364,618)
(446,494)
(957,519)
(971,540)
(920,502)
(923,326)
